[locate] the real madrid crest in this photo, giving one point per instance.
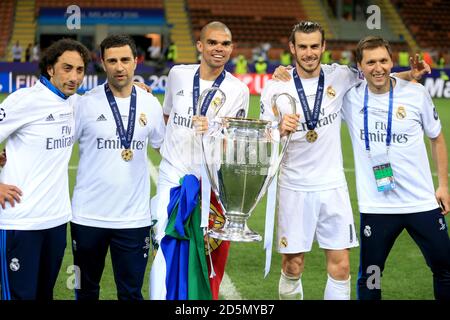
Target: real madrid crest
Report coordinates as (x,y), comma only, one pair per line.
(401,113)
(143,120)
(14,265)
(283,242)
(216,103)
(367,231)
(331,93)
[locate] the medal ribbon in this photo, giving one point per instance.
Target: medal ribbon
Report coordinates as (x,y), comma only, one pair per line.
(125,137)
(196,92)
(311,120)
(366,117)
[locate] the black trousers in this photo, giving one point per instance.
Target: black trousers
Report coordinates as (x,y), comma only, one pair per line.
(378,233)
(129,255)
(30,262)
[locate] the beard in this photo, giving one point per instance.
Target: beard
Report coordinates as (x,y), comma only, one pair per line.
(308,68)
(119,84)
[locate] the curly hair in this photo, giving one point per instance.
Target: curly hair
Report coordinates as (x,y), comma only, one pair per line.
(51,54)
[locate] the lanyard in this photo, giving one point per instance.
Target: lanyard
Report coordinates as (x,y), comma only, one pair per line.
(196,92)
(52,88)
(311,120)
(366,117)
(125,137)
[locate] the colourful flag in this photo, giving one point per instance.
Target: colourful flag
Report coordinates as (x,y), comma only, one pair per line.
(183,245)
(219,248)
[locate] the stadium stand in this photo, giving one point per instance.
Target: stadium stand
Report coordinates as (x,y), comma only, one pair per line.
(100,4)
(6,17)
(416,24)
(252,22)
(24,26)
(428,21)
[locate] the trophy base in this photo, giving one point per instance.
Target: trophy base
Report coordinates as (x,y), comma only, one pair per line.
(243,234)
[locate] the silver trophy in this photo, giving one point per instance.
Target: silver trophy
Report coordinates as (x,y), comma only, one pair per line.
(242,157)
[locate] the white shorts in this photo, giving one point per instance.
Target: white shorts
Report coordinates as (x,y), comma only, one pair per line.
(322,215)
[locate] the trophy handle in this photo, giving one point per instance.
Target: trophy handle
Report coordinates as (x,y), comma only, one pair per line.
(279,116)
(202,97)
(213,128)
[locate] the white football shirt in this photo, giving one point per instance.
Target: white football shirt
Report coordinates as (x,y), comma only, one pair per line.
(413,115)
(110,192)
(39,128)
(181,147)
(313,166)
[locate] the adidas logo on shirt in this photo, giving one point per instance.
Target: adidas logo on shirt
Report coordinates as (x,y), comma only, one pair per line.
(180,93)
(50,118)
(101,118)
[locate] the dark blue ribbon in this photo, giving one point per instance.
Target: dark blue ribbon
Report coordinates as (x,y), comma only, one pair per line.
(125,137)
(196,92)
(311,120)
(366,116)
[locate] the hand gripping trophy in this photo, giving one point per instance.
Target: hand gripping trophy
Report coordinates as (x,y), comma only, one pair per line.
(241,157)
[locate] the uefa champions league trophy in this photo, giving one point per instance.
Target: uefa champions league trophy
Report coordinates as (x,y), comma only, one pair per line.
(242,157)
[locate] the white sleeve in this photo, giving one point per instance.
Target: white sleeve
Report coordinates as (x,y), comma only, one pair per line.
(168,100)
(13,116)
(354,76)
(241,106)
(266,112)
(345,106)
(158,129)
(430,119)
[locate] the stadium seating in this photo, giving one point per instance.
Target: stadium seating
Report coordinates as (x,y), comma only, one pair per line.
(6,17)
(154,4)
(252,22)
(428,21)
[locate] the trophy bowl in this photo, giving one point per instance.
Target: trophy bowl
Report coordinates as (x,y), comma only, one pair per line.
(241,157)
(238,173)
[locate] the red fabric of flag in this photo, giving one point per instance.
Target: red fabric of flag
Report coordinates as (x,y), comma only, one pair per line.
(219,248)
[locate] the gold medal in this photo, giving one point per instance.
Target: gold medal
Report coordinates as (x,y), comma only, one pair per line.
(311,136)
(331,93)
(143,120)
(127,154)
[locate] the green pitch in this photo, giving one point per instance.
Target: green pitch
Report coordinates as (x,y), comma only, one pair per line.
(406,274)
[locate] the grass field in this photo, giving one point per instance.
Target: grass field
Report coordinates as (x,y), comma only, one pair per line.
(406,274)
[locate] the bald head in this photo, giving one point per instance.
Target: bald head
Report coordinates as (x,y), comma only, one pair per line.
(215,25)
